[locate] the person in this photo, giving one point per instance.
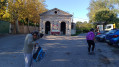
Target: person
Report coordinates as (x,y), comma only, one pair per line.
(90,40)
(29,43)
(97,30)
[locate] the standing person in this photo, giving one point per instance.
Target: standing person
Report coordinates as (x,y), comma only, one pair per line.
(97,30)
(28,48)
(90,40)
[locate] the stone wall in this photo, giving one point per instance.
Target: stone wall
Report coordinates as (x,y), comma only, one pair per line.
(56,19)
(24,29)
(56,16)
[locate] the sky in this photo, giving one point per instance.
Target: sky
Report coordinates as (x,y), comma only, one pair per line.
(78,8)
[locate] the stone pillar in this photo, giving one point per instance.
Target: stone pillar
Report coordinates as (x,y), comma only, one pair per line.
(51,23)
(59,26)
(68,28)
(43,26)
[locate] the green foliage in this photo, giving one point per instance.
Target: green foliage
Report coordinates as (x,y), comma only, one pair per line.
(117,23)
(22,22)
(83,27)
(105,16)
(97,5)
(77,33)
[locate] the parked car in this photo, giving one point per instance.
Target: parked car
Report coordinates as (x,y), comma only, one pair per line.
(101,36)
(101,32)
(112,37)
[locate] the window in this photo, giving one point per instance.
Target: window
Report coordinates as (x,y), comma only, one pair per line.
(55,12)
(108,27)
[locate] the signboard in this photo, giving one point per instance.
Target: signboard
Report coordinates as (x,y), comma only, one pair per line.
(55,27)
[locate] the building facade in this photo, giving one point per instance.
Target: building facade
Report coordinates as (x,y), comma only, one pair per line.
(55,22)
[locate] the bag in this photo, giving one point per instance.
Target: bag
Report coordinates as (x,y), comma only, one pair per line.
(38,55)
(90,36)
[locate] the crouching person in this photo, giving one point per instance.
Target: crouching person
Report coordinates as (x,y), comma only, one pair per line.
(28,48)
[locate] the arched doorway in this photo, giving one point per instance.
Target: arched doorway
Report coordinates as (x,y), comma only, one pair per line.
(47,27)
(63,28)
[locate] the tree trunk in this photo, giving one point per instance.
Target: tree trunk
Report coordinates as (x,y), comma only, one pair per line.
(17,27)
(28,27)
(35,26)
(14,28)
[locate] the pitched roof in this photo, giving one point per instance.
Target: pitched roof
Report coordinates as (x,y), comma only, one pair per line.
(50,12)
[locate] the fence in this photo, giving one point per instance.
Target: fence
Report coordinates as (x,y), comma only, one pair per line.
(4,27)
(25,29)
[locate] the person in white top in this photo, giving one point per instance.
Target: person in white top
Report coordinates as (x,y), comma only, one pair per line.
(29,43)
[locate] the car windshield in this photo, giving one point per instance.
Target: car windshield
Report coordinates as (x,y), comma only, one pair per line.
(103,32)
(111,31)
(108,27)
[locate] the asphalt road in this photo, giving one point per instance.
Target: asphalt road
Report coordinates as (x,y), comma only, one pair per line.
(61,51)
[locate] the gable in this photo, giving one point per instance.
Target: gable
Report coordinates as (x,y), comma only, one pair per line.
(55,11)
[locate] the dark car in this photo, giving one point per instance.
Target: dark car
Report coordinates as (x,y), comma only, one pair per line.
(101,36)
(112,38)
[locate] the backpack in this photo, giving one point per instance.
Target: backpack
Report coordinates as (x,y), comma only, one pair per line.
(90,36)
(39,54)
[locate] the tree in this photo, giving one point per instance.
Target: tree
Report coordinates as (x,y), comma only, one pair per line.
(85,22)
(106,16)
(34,8)
(83,26)
(3,10)
(14,11)
(24,9)
(78,24)
(97,5)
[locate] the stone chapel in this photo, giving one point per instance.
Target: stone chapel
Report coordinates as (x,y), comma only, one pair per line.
(56,22)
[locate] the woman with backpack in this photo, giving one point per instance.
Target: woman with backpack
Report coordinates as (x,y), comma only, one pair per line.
(90,40)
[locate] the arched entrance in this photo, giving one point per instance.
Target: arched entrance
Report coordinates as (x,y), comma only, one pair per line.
(63,28)
(47,27)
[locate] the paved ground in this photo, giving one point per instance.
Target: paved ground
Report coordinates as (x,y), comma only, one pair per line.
(61,51)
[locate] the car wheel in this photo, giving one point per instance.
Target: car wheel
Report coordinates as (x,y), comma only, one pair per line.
(109,43)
